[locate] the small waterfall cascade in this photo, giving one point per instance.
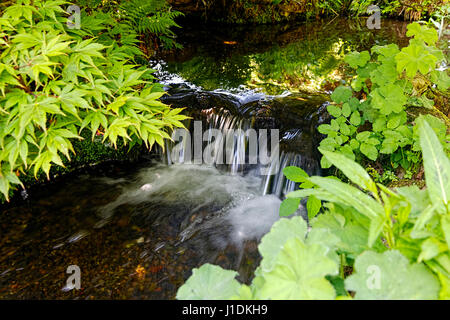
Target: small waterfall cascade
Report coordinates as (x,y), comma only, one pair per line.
(242,138)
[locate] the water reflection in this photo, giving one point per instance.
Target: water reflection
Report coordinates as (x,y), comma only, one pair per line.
(294,57)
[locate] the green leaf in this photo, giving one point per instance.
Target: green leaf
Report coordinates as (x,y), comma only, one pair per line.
(289,206)
(346,110)
(389,276)
(436,164)
(388,99)
(353,238)
(355,119)
(376,226)
(386,51)
(351,169)
(295,174)
(441,79)
(357,59)
(369,151)
(415,58)
(445,287)
(341,94)
(209,282)
(445,224)
(299,273)
(349,196)
(427,103)
(431,248)
(422,32)
(334,111)
(313,206)
(363,136)
(272,243)
(389,146)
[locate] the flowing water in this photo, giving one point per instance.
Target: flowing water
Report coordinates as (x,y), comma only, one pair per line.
(136,231)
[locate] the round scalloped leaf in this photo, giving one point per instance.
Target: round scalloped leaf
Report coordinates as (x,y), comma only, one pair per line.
(389,276)
(210,282)
(272,243)
(415,58)
(299,273)
(425,33)
(341,94)
(388,99)
(357,59)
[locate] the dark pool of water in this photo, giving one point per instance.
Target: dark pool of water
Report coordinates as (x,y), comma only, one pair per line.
(275,58)
(124,237)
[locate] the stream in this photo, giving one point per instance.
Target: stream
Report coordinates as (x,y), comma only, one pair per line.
(136,232)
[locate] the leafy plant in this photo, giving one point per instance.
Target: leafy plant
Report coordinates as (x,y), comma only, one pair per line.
(55,82)
(370,242)
(151,19)
(151,16)
(391,79)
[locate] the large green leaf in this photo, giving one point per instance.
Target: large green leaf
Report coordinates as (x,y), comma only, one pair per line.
(349,196)
(357,59)
(389,276)
(353,238)
(388,99)
(436,163)
(209,282)
(299,273)
(415,58)
(341,94)
(422,32)
(351,169)
(272,243)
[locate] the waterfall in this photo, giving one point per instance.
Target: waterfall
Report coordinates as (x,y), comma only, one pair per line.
(228,124)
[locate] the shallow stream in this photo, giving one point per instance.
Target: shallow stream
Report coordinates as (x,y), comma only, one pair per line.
(137,231)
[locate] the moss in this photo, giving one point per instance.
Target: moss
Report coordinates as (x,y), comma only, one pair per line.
(407,182)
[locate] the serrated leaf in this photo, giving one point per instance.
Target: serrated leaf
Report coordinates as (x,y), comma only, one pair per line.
(388,99)
(272,243)
(415,58)
(299,273)
(341,94)
(389,276)
(209,282)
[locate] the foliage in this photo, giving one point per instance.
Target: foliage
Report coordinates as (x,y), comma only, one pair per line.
(412,9)
(396,242)
(391,80)
(145,17)
(55,82)
(257,11)
(306,58)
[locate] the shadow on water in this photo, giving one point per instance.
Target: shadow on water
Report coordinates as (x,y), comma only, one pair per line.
(275,58)
(137,231)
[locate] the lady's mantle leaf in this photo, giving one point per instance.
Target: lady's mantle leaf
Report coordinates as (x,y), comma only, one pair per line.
(299,273)
(415,58)
(389,276)
(210,282)
(272,243)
